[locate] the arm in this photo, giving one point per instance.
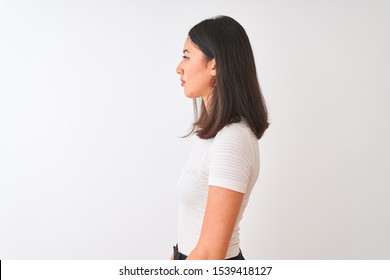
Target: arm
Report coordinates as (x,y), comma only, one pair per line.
(222,209)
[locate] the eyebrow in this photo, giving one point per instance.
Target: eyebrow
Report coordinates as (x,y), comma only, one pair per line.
(186,51)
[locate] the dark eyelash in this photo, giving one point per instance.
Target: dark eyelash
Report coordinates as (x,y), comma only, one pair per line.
(185,57)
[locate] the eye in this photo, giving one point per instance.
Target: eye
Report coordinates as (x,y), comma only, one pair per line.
(185,57)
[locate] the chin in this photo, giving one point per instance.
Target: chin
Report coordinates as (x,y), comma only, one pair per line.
(188,95)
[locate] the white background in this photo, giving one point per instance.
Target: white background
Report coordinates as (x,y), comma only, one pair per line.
(91,111)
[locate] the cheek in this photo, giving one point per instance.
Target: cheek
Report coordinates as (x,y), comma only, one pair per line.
(197,81)
(192,77)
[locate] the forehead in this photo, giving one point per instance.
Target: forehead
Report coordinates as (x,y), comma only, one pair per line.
(190,46)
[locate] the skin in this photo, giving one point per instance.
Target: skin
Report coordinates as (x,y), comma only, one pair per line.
(196,73)
(223,205)
(222,209)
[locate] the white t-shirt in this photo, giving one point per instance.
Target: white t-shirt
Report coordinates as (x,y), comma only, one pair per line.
(229,160)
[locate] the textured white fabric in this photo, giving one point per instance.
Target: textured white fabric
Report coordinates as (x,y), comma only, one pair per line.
(229,160)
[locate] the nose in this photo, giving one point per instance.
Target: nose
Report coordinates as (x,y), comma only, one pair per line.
(179,69)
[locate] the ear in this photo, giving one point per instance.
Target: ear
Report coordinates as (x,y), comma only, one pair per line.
(213,67)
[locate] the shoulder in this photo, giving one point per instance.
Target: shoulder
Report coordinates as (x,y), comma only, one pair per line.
(237,132)
(233,157)
(236,139)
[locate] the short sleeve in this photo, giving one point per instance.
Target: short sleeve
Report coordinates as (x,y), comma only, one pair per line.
(231,158)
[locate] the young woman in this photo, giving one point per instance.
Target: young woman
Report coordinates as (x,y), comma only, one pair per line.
(214,188)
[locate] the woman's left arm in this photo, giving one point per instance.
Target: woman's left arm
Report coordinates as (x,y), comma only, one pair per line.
(222,209)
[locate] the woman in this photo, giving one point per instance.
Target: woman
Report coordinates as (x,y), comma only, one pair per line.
(214,188)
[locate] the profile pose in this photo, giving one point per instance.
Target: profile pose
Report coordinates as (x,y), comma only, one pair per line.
(214,188)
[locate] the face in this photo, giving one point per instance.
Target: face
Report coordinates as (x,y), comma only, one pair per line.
(196,73)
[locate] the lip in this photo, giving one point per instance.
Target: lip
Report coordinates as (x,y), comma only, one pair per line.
(182,83)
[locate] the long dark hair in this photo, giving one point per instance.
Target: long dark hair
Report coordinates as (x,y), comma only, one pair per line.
(236,93)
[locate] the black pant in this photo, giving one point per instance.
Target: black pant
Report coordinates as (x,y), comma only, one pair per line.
(179,256)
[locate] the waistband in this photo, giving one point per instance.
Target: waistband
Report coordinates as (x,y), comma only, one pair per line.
(179,256)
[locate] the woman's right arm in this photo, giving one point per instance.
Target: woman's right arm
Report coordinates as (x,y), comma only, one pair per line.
(222,209)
